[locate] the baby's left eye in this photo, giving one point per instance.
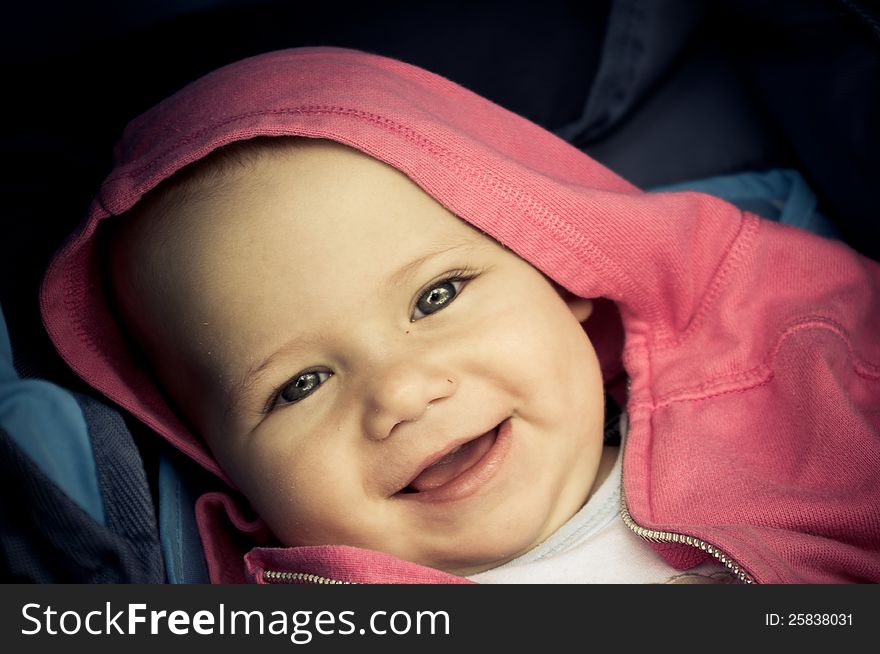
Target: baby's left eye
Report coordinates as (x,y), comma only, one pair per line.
(436,297)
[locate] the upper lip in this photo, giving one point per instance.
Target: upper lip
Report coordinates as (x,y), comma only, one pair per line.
(436,456)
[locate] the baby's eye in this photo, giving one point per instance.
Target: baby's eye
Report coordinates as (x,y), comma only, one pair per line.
(301,386)
(436,297)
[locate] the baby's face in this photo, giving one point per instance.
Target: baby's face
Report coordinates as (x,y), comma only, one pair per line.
(366,367)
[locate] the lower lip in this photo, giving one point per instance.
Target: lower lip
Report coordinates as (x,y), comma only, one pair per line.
(474,478)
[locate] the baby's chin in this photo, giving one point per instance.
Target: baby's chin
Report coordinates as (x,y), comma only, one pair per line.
(467,566)
(478,552)
(469,570)
(464,564)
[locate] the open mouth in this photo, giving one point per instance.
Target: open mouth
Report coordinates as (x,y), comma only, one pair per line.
(460,470)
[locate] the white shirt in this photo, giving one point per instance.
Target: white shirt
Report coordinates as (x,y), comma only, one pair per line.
(596,547)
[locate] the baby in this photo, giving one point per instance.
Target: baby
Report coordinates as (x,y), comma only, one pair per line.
(366,367)
(386,311)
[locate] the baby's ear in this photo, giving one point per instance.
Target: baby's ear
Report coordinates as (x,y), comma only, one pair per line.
(580,307)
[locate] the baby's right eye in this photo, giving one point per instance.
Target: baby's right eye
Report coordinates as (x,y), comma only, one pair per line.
(300,387)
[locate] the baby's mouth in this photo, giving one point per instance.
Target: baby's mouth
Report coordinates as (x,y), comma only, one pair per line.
(452,464)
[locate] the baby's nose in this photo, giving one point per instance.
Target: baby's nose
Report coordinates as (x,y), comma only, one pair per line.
(404,394)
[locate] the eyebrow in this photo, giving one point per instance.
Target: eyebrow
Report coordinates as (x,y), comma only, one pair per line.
(244,388)
(405,272)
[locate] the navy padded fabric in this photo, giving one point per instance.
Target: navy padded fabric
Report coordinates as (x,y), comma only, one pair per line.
(45,537)
(128,502)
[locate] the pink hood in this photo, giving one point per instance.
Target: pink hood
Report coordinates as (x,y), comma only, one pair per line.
(752,348)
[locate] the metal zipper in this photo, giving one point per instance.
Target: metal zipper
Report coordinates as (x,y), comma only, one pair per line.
(670,537)
(655,536)
(278,577)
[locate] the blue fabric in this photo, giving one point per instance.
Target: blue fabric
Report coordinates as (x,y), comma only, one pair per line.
(779,194)
(178,531)
(46,422)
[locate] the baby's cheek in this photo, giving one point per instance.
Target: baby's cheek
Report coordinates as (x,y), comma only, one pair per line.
(302,490)
(277,496)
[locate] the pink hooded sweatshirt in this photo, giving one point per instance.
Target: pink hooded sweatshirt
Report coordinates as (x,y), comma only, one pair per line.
(751,348)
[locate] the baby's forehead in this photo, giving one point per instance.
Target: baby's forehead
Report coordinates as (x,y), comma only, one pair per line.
(279,207)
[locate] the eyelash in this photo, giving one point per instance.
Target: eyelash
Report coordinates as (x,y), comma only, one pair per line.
(275,397)
(462,275)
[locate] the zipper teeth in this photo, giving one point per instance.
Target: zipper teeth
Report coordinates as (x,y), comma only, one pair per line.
(670,537)
(279,577)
